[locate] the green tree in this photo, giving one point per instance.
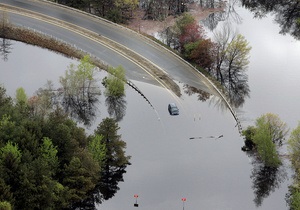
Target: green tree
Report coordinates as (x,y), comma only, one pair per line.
(78,181)
(21,96)
(265,147)
(10,161)
(97,148)
(294,149)
(268,134)
(115,162)
(4,205)
(5,192)
(232,57)
(294,199)
(49,155)
(80,91)
(115,82)
(294,153)
(237,56)
(125,9)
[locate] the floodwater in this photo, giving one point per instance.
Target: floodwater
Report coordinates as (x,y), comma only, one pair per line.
(197,154)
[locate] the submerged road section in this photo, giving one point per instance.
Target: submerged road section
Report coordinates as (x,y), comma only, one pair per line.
(147,50)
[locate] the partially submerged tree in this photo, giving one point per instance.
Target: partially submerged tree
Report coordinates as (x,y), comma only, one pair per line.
(80,91)
(294,154)
(115,82)
(268,134)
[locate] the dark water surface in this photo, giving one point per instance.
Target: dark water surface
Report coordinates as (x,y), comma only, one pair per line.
(211,173)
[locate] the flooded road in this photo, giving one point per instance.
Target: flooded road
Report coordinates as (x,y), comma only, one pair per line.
(197,154)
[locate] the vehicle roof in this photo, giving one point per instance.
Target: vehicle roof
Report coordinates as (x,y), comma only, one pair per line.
(172,105)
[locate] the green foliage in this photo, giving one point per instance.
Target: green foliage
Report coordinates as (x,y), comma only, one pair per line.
(21,96)
(294,149)
(115,82)
(49,154)
(79,79)
(232,56)
(268,133)
(5,191)
(97,148)
(183,21)
(115,147)
(265,147)
(115,162)
(249,133)
(189,48)
(237,53)
(78,180)
(277,129)
(11,151)
(294,197)
(294,153)
(4,205)
(50,162)
(80,91)
(115,15)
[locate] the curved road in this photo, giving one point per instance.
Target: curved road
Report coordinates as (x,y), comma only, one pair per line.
(166,61)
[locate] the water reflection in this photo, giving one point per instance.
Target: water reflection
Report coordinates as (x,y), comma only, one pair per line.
(79,96)
(238,89)
(201,95)
(286,13)
(229,14)
(204,96)
(5,48)
(116,107)
(265,180)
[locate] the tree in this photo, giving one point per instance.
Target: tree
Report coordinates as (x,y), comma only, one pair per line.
(294,153)
(80,91)
(10,160)
(50,164)
(190,33)
(103,7)
(160,9)
(5,192)
(232,55)
(4,205)
(269,132)
(21,96)
(78,181)
(201,52)
(115,162)
(294,147)
(43,102)
(115,82)
(97,148)
(125,9)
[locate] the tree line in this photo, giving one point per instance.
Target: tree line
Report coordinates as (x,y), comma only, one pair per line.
(46,160)
(120,11)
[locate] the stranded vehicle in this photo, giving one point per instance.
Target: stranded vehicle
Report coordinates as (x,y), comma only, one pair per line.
(173,109)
